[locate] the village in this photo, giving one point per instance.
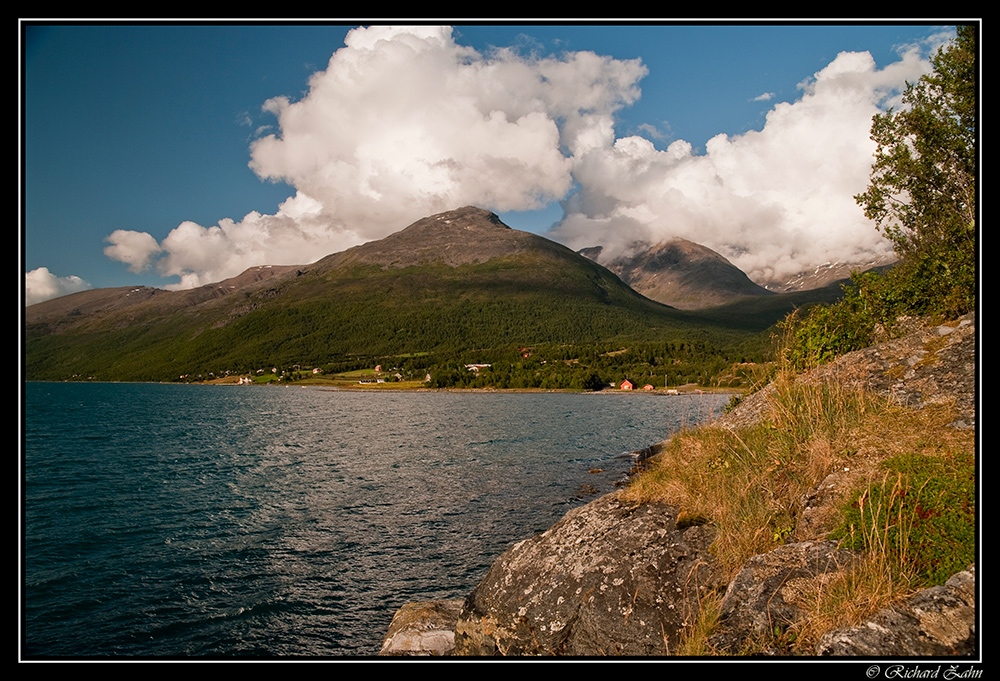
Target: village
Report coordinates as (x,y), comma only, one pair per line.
(393,378)
(662,368)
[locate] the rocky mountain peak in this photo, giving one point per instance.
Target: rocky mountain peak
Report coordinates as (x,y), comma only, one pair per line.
(680,273)
(457,237)
(467,217)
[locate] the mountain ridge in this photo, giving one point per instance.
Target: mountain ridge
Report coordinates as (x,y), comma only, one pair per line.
(681,273)
(446,283)
(454,280)
(434,239)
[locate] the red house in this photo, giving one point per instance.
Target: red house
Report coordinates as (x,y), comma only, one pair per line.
(627,385)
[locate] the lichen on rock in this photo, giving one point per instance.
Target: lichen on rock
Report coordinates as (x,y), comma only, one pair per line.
(610,578)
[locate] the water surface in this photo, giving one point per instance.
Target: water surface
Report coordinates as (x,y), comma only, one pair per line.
(223,521)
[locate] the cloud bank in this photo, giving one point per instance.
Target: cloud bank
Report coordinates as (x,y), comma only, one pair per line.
(775,202)
(404,122)
(40,284)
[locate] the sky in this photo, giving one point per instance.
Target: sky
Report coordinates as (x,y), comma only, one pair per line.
(176,155)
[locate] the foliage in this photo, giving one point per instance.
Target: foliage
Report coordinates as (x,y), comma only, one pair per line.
(923,512)
(922,196)
(583,366)
(914,528)
(749,482)
(922,192)
(827,331)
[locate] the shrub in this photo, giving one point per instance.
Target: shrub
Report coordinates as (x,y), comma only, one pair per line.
(921,514)
(922,197)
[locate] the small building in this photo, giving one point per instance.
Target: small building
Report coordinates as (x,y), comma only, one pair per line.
(627,385)
(648,387)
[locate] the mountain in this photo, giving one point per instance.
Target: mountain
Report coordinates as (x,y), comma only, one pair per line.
(466,236)
(682,274)
(452,283)
(827,273)
(449,282)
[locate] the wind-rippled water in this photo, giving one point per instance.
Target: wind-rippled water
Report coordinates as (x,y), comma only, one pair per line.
(222,521)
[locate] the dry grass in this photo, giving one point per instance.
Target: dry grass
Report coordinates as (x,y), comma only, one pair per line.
(749,483)
(695,639)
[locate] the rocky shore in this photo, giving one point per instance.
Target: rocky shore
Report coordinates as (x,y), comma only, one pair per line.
(616,578)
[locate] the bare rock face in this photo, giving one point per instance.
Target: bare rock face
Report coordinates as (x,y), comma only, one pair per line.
(768,592)
(615,579)
(610,578)
(423,629)
(680,273)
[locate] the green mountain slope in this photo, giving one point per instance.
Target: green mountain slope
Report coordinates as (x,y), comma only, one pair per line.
(449,283)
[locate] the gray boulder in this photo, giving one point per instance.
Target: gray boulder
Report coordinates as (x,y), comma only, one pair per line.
(939,621)
(768,594)
(423,629)
(610,578)
(616,579)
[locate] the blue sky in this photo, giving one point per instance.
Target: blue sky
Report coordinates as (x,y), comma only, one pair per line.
(136,130)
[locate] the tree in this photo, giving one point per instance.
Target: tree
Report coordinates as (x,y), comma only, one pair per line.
(922,189)
(922,196)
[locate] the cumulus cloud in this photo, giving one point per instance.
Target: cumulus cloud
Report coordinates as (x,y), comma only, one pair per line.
(403,123)
(136,249)
(40,285)
(775,201)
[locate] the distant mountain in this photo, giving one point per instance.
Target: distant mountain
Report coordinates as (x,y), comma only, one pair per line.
(682,274)
(466,236)
(452,281)
(455,282)
(92,307)
(827,273)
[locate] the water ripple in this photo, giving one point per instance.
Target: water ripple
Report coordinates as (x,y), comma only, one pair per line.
(172,521)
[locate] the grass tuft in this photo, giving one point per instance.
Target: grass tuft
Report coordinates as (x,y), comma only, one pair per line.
(908,510)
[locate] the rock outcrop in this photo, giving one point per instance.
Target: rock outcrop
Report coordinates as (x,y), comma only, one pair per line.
(936,622)
(928,365)
(530,606)
(610,578)
(423,629)
(770,593)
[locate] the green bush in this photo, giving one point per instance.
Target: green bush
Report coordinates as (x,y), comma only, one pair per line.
(922,513)
(828,331)
(928,284)
(922,197)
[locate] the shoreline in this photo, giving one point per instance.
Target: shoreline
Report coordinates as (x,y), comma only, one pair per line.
(333,387)
(681,391)
(351,386)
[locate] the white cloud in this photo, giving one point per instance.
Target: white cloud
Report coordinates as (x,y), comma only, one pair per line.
(775,201)
(41,285)
(404,122)
(401,124)
(136,249)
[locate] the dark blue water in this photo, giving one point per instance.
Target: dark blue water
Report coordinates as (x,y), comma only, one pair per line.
(223,522)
